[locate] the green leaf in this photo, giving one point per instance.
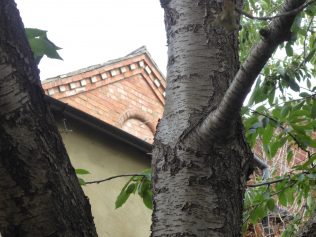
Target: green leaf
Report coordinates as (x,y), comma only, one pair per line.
(81,171)
(258,213)
(266,148)
(310,55)
(255,93)
(41,45)
(285,110)
(271,96)
(267,135)
(289,156)
(302,112)
(33,32)
(289,193)
(265,121)
(313,109)
(81,181)
(147,173)
(144,187)
(291,82)
(311,10)
(148,199)
(123,196)
(308,83)
(282,198)
(131,188)
(248,123)
(289,49)
(293,85)
(274,148)
(271,204)
(310,202)
(251,138)
(304,94)
(299,105)
(136,178)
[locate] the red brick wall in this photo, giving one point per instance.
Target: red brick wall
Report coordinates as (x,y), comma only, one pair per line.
(138,129)
(130,98)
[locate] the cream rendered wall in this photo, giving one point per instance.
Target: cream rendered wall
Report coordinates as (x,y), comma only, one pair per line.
(105,157)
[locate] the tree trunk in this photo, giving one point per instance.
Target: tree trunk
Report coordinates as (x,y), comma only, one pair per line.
(40,194)
(309,228)
(198,181)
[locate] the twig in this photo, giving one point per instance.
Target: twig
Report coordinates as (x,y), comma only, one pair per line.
(294,100)
(284,129)
(306,89)
(288,176)
(264,18)
(114,177)
(266,183)
(280,191)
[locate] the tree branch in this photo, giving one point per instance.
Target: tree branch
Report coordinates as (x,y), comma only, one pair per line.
(217,121)
(294,100)
(265,18)
(114,177)
(298,143)
(265,183)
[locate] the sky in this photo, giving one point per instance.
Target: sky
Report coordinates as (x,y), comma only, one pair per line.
(95,31)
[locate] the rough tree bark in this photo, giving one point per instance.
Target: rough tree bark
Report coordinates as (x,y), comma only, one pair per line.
(200,157)
(309,229)
(39,192)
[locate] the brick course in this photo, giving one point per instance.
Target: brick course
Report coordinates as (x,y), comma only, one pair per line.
(127,94)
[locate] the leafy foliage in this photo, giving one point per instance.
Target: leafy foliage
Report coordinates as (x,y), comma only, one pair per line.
(137,184)
(81,172)
(41,45)
(279,119)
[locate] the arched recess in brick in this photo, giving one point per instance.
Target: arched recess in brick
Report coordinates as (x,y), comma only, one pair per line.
(138,124)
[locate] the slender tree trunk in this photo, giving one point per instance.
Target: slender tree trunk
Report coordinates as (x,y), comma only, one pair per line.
(39,192)
(198,182)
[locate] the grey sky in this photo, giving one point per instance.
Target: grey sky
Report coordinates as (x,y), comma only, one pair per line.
(95,31)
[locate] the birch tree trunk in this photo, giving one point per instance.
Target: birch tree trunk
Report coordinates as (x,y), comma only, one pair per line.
(200,157)
(198,181)
(39,191)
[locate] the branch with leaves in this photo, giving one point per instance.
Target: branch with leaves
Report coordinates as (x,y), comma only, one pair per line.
(114,177)
(278,32)
(287,13)
(140,183)
(278,124)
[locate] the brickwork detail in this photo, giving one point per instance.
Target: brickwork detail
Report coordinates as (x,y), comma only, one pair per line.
(139,129)
(127,94)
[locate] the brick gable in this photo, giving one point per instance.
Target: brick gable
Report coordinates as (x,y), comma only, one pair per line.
(127,93)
